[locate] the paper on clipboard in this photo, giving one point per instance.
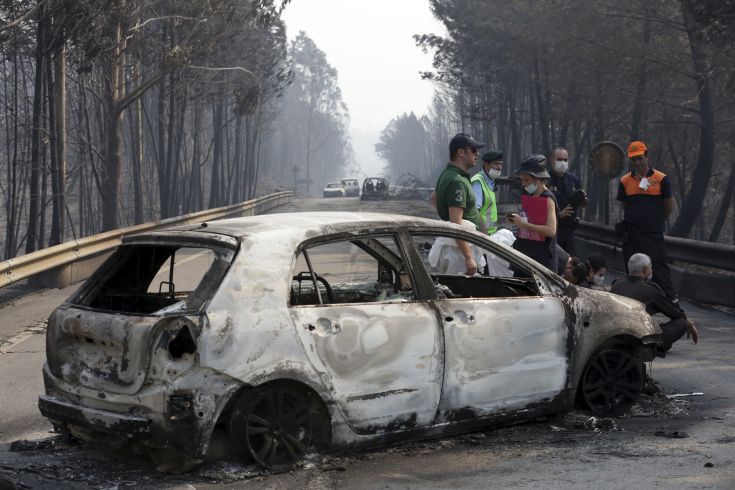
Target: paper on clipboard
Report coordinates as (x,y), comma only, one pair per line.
(536,211)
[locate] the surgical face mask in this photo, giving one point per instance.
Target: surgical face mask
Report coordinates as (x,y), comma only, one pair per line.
(561,166)
(531,188)
(493,173)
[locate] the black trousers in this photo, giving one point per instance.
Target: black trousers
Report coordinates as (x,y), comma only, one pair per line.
(673,331)
(653,245)
(565,236)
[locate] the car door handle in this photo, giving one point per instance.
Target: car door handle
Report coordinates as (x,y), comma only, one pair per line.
(324,327)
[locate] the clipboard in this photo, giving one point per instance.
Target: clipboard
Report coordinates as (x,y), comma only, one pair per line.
(536,209)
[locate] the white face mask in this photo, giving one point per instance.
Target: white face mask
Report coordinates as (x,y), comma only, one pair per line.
(561,166)
(493,173)
(531,188)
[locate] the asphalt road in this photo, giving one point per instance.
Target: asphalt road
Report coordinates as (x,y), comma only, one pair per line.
(682,437)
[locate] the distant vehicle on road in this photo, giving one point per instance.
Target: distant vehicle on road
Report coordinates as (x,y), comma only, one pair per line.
(334,189)
(375,188)
(305,332)
(351,187)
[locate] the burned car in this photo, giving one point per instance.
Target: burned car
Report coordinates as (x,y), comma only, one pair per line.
(374,188)
(323,332)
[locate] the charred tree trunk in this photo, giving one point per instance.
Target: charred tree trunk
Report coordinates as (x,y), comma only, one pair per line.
(136,143)
(36,136)
(110,178)
(694,200)
(161,154)
(59,148)
(237,191)
(724,207)
(640,94)
(214,190)
(54,237)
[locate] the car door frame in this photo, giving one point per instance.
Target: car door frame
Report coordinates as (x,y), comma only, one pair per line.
(547,288)
(359,408)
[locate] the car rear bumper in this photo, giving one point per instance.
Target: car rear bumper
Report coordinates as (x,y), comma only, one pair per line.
(100,420)
(180,414)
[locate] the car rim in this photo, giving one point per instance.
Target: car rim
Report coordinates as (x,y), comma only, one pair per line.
(278,428)
(612,382)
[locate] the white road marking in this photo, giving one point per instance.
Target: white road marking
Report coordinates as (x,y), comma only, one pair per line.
(33,329)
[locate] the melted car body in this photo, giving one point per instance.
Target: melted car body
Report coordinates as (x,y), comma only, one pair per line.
(326,331)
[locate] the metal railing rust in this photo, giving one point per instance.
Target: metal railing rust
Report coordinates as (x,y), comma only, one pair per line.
(25,266)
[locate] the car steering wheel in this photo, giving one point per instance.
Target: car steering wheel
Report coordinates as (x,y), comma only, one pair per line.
(305,276)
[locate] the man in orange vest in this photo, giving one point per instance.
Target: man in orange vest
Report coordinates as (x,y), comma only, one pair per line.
(648,202)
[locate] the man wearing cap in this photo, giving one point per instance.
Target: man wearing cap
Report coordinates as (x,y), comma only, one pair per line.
(453,195)
(537,240)
(563,183)
(647,201)
(483,184)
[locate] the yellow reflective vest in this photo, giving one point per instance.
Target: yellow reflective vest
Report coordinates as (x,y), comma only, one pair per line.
(488,203)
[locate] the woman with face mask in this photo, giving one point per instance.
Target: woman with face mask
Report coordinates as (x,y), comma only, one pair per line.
(537,232)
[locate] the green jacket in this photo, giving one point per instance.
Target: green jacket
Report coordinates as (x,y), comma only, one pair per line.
(488,203)
(453,189)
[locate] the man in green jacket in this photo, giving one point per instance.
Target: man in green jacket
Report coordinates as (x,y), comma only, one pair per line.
(483,184)
(453,195)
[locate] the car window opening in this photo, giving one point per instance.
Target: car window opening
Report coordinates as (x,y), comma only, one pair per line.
(363,270)
(498,276)
(160,279)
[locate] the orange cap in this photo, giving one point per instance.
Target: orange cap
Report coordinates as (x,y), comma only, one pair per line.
(636,149)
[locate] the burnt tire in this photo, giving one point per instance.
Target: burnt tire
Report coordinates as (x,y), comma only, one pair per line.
(611,382)
(276,426)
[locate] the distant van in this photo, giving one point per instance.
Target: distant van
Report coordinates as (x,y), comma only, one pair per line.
(351,187)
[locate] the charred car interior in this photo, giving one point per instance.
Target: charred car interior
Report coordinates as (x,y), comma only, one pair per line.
(351,271)
(146,278)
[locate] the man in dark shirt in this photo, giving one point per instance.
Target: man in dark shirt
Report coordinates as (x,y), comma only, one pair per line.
(563,184)
(636,286)
(647,200)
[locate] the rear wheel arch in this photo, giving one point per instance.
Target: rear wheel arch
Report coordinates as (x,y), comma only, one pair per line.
(249,402)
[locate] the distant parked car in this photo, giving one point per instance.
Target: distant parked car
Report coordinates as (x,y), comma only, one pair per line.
(334,189)
(374,188)
(307,332)
(351,187)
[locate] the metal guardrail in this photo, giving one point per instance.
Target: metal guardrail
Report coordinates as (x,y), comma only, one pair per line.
(715,287)
(28,265)
(717,255)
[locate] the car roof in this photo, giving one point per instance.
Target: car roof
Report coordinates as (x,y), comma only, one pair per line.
(308,223)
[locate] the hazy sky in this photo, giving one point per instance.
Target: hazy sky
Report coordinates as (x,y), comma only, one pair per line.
(370,44)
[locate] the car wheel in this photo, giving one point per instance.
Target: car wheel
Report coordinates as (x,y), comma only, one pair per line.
(274,426)
(611,382)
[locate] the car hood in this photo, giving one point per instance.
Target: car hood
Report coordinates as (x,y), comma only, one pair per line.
(608,314)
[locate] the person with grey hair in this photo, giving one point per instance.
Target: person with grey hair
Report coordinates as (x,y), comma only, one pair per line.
(636,286)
